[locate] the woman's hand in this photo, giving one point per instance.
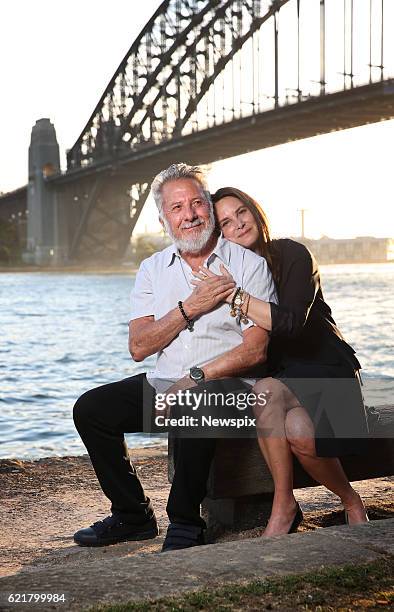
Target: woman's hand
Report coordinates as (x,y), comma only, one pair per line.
(257,311)
(209,291)
(204,274)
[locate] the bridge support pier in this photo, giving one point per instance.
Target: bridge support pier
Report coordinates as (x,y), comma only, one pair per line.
(43,210)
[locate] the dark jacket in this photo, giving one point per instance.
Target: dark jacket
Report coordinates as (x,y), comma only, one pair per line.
(303,328)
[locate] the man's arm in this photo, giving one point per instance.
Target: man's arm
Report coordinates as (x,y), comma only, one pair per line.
(235,363)
(147,336)
(257,280)
(239,360)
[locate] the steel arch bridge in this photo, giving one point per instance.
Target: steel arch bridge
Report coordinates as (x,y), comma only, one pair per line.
(208,79)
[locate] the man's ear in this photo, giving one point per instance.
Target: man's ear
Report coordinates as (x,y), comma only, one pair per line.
(162,223)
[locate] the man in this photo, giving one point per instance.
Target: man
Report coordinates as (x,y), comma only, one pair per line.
(196,341)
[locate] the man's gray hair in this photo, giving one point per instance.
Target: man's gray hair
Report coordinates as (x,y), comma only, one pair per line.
(173,173)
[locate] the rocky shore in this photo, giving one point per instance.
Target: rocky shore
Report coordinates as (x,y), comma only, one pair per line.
(43,502)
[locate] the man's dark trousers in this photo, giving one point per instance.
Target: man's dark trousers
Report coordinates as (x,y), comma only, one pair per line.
(102,416)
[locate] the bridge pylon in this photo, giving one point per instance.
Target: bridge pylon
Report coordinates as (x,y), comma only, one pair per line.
(41,244)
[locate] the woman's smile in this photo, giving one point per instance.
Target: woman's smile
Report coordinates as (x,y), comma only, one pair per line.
(244,232)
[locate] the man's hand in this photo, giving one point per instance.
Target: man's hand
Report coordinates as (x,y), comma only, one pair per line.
(224,279)
(181,385)
(209,291)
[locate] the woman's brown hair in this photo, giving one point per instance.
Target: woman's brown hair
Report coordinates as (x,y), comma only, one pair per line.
(265,246)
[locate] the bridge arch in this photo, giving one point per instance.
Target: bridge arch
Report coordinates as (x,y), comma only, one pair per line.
(207,79)
(158,91)
(167,72)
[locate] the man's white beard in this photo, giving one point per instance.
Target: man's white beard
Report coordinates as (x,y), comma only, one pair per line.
(192,244)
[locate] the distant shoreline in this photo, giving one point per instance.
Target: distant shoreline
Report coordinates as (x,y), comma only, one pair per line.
(121,270)
(125,271)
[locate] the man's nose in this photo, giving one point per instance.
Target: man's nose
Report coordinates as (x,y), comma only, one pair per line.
(189,212)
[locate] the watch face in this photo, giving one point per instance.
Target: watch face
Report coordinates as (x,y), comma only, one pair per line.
(196,374)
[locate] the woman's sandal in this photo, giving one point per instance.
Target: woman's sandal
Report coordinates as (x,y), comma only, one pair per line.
(347,518)
(299,517)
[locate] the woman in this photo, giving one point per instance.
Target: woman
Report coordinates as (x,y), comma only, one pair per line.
(305,344)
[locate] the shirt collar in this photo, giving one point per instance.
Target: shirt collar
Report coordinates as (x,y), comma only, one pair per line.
(221,250)
(171,254)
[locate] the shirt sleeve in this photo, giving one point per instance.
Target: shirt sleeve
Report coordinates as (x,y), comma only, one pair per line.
(142,298)
(257,281)
(299,285)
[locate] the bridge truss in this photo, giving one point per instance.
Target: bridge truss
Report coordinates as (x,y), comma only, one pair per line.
(203,64)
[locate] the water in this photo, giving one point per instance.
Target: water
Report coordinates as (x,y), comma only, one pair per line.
(62,334)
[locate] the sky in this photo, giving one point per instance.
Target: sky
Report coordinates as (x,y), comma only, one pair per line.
(57,58)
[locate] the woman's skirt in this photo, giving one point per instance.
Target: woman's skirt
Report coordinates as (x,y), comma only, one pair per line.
(332,396)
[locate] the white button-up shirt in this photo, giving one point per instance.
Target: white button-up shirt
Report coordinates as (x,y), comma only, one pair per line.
(165,278)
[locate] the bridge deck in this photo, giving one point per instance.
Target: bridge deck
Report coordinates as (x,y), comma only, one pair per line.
(332,112)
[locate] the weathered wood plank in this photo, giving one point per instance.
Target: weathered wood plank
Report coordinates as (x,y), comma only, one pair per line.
(240,485)
(239,469)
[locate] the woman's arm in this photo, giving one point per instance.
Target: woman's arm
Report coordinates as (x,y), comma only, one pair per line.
(258,311)
(298,287)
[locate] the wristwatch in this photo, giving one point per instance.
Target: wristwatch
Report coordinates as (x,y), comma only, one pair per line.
(196,374)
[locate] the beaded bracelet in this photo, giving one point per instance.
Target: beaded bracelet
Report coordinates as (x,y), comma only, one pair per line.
(189,322)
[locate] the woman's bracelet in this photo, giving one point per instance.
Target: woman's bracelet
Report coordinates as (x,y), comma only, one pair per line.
(240,298)
(244,317)
(235,302)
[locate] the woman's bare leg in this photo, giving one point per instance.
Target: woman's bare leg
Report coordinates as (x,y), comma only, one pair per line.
(327,471)
(270,423)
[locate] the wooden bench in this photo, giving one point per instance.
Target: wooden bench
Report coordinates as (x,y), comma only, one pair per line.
(240,486)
